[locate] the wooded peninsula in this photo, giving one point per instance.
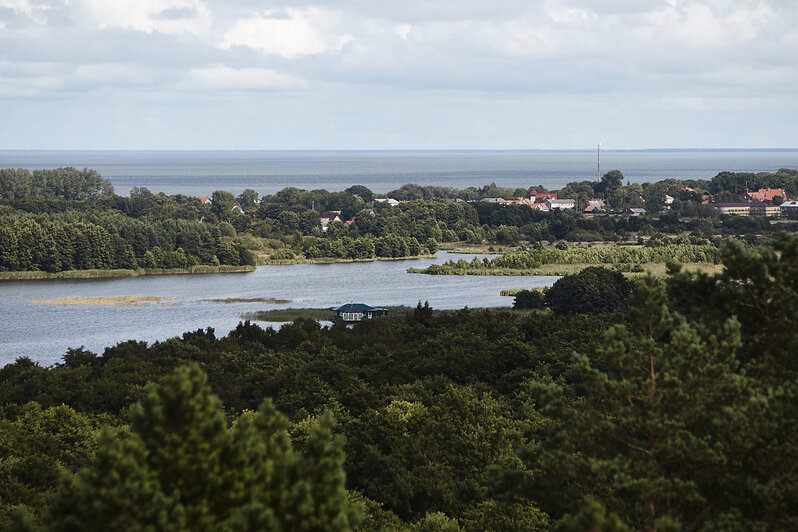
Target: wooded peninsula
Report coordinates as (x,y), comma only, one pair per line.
(614,400)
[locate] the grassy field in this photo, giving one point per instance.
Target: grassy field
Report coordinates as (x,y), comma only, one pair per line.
(102,274)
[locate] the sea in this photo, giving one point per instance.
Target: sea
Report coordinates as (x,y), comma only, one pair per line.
(200,173)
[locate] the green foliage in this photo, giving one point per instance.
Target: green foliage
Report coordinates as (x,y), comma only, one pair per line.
(665,426)
(527,259)
(222,204)
(531,299)
(181,468)
(678,412)
(37,446)
(65,183)
(594,290)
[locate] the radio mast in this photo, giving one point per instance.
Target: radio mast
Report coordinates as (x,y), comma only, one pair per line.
(598,160)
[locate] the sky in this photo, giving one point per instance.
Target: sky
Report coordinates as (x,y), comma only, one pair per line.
(398,74)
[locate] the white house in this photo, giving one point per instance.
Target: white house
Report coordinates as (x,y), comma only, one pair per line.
(390,201)
(789,209)
(560,203)
(327,218)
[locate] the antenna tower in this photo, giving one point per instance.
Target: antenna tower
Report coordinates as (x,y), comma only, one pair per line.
(598,160)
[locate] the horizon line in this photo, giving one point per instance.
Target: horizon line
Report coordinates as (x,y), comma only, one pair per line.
(397,150)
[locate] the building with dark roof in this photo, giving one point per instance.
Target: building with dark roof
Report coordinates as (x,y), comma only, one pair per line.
(353,312)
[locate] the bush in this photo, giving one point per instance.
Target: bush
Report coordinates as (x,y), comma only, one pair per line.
(529,299)
(594,290)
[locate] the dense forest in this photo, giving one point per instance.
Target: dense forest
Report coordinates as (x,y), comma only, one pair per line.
(69,219)
(660,403)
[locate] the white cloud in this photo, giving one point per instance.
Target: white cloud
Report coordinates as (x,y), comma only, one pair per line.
(34,12)
(30,86)
(402,30)
(223,77)
(631,55)
(566,14)
(163,16)
(291,33)
(102,74)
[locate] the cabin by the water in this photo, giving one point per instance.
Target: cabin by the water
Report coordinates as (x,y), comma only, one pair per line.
(353,312)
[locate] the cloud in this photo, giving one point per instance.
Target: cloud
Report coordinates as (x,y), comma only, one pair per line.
(223,77)
(112,74)
(625,55)
(163,16)
(289,33)
(402,30)
(177,13)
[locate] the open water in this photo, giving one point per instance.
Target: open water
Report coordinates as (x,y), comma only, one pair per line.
(43,331)
(199,173)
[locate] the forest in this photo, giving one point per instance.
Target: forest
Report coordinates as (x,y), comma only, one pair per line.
(654,403)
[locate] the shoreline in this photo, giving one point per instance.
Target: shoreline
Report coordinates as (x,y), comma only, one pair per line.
(38,275)
(331,260)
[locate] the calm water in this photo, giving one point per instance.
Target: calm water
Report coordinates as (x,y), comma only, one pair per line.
(199,173)
(43,331)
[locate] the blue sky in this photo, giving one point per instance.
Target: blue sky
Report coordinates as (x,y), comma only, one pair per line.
(410,74)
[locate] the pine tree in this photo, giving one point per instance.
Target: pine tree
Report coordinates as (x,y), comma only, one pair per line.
(182,468)
(664,426)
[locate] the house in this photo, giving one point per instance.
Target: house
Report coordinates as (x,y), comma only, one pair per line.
(634,211)
(560,203)
(789,209)
(534,195)
(747,208)
(764,209)
(765,194)
(238,208)
(522,201)
(354,312)
(390,201)
(736,208)
(668,202)
(542,207)
(499,201)
(205,200)
(327,218)
(594,205)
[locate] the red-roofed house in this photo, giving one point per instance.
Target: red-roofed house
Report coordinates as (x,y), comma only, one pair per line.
(541,196)
(205,200)
(765,194)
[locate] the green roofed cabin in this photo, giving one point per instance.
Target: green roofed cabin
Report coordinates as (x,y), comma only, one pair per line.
(353,312)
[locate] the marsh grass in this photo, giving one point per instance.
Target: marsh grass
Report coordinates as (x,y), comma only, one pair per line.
(655,268)
(273,300)
(116,301)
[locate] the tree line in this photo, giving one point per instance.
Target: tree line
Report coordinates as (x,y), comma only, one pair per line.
(164,231)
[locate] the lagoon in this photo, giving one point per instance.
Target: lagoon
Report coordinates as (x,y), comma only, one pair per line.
(42,319)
